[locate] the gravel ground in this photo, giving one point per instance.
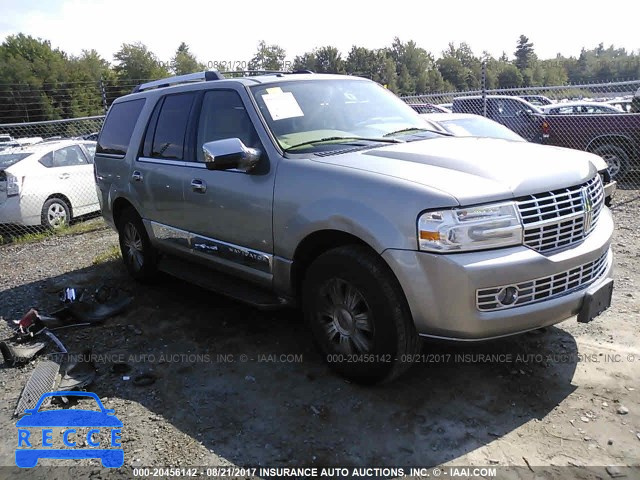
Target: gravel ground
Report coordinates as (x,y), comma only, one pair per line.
(236,386)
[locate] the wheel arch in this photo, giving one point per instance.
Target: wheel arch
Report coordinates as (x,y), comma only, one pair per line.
(314,245)
(121,204)
(620,141)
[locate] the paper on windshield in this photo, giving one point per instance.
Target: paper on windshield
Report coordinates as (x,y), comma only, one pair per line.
(282,105)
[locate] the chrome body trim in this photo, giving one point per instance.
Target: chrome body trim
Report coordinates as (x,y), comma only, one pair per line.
(217,248)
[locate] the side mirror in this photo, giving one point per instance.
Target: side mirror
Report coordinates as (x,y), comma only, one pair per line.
(229,154)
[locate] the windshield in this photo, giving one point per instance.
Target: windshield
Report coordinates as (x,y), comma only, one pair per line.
(8,159)
(321,114)
(479,127)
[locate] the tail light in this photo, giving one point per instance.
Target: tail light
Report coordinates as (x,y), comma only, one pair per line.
(546,129)
(14,185)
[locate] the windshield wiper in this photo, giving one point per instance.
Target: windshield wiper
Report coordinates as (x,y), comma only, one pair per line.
(416,129)
(330,139)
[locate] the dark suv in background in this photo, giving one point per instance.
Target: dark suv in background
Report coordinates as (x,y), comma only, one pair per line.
(513,112)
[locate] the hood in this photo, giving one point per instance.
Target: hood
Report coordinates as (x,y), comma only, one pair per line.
(475,170)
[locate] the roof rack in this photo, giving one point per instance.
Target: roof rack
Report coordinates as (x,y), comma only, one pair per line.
(206,76)
(266,72)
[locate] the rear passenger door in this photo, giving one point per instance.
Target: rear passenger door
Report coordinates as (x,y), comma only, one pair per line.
(161,169)
(72,172)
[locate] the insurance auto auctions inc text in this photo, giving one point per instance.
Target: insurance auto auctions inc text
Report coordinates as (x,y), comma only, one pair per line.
(369,472)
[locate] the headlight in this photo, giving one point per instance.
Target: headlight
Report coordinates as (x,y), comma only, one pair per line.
(474,228)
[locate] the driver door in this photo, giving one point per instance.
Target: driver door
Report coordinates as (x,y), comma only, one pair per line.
(229,212)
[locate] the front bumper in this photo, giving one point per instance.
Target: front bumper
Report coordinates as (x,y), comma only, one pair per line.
(609,190)
(441,289)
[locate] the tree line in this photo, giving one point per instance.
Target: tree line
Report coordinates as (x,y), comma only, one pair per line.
(39,82)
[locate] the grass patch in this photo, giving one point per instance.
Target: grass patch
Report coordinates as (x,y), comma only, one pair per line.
(32,237)
(40,234)
(112,254)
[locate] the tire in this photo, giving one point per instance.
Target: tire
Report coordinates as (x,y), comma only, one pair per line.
(616,158)
(55,214)
(349,282)
(138,255)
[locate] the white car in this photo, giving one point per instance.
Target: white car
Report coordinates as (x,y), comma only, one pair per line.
(579,108)
(48,183)
(623,104)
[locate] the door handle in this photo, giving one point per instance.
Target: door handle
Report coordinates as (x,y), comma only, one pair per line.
(136,176)
(198,186)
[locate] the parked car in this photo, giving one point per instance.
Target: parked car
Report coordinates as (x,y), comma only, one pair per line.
(428,108)
(329,192)
(91,136)
(10,142)
(47,184)
(513,112)
(614,137)
(448,106)
(623,105)
(537,100)
(579,108)
(470,125)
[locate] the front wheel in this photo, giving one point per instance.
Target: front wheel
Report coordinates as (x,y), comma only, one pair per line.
(616,159)
(139,256)
(359,315)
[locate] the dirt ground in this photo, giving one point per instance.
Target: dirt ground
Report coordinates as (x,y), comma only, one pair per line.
(236,386)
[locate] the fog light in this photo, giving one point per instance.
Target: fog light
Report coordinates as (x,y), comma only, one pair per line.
(507,295)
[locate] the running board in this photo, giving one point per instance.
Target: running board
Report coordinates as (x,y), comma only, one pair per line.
(221,283)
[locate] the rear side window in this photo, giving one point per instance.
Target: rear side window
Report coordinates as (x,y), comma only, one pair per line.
(118,127)
(165,137)
(69,157)
(9,159)
(47,160)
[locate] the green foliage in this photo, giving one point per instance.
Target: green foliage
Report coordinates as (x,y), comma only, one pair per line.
(268,57)
(184,62)
(524,53)
(135,62)
(510,77)
(38,82)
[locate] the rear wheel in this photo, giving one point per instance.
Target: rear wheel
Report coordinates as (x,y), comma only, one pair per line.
(56,213)
(359,315)
(616,159)
(139,256)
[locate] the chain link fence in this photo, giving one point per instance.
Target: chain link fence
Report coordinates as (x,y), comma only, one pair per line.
(46,167)
(602,118)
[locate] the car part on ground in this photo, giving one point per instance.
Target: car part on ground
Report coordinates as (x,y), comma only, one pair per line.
(144,379)
(43,379)
(16,351)
(78,371)
(80,307)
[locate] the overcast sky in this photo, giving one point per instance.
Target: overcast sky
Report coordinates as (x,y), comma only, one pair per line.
(230,30)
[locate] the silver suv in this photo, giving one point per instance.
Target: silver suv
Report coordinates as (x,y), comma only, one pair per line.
(330,193)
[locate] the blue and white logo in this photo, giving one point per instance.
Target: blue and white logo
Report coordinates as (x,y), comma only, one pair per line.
(35,433)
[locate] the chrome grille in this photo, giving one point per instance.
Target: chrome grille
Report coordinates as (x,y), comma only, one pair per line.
(544,288)
(561,218)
